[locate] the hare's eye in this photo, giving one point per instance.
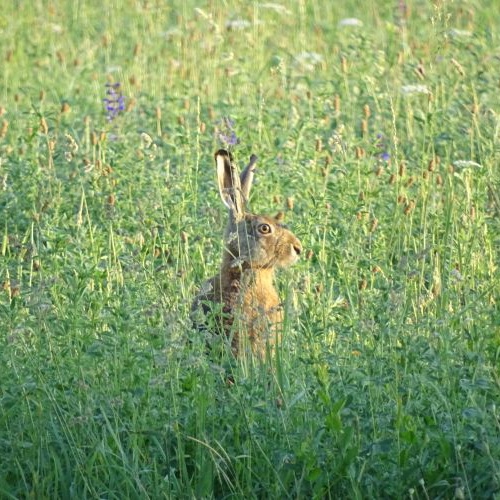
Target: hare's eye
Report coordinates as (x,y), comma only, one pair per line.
(264,228)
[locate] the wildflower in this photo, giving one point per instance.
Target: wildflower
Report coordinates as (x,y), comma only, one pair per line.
(384,155)
(72,144)
(415,89)
(463,164)
(171,33)
(56,28)
(114,102)
(278,8)
(401,13)
(146,140)
(238,24)
(225,133)
(336,142)
(456,33)
(350,21)
(308,60)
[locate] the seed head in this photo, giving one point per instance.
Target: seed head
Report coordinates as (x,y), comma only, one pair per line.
(4,128)
(364,127)
(360,153)
(336,103)
(43,126)
(410,206)
(410,181)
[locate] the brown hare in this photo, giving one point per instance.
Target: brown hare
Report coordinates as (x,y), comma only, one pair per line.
(241,299)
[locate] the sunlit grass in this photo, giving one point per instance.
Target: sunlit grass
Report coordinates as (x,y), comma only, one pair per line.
(378,135)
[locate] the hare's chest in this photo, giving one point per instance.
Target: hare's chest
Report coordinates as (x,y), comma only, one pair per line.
(257,302)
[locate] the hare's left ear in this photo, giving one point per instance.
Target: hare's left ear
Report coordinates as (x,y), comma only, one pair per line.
(229,185)
(234,189)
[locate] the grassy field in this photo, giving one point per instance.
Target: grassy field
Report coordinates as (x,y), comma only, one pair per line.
(377,126)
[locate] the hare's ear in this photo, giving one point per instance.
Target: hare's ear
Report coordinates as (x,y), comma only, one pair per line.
(246,177)
(230,185)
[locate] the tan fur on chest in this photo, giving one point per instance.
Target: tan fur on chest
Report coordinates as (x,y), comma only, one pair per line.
(251,307)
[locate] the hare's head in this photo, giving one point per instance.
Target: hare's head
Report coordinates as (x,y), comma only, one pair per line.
(252,241)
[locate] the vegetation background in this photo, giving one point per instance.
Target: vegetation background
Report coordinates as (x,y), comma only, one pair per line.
(377,127)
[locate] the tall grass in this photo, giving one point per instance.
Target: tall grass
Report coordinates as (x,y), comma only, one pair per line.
(380,139)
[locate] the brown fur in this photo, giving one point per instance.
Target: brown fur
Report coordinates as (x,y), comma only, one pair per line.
(242,295)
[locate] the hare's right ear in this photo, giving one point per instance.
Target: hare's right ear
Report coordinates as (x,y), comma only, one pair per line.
(230,185)
(246,177)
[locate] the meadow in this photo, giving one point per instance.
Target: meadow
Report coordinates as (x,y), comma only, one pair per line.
(377,127)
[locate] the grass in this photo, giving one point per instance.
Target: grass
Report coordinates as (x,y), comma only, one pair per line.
(382,140)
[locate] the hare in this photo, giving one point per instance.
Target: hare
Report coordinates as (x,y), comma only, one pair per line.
(241,297)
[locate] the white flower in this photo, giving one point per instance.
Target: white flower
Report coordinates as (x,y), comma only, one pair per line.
(311,57)
(461,164)
(56,28)
(72,144)
(146,140)
(308,60)
(171,33)
(415,89)
(238,24)
(280,9)
(350,21)
(456,33)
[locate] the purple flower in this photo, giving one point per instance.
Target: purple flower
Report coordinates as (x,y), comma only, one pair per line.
(224,131)
(114,103)
(401,13)
(381,145)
